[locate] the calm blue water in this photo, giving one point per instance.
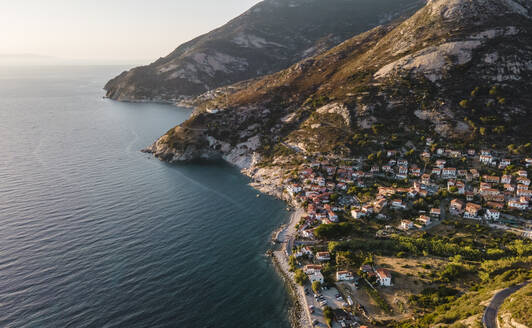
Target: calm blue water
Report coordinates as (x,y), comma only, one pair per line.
(94,233)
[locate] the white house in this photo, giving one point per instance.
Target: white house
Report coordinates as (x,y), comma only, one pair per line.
(424,219)
(398,203)
(448,172)
(492,214)
(344,275)
(323,256)
(472,210)
(384,277)
(212,110)
(486,159)
(435,212)
(357,213)
(506,179)
(312,268)
(406,224)
(317,276)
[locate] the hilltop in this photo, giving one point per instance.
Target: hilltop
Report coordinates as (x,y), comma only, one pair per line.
(267,38)
(454,71)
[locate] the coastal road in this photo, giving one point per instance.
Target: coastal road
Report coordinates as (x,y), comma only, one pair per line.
(489,320)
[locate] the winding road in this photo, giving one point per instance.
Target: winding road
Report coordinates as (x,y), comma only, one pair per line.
(489,320)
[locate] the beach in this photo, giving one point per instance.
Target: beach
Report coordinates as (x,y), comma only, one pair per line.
(286,236)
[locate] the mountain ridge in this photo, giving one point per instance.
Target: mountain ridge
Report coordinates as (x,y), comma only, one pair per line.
(269,37)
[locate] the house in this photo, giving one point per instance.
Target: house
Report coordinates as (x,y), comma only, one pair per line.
(406,224)
(474,173)
(471,152)
(486,159)
(305,250)
(312,268)
(332,216)
(489,192)
(374,169)
(462,173)
(448,173)
(455,153)
(357,213)
(212,110)
(523,181)
(435,212)
(522,187)
(456,207)
(450,184)
(518,204)
(469,196)
(506,179)
(294,189)
(344,275)
(440,163)
(379,204)
(524,192)
(504,163)
(391,153)
(398,203)
(460,186)
(415,171)
(403,170)
(387,168)
(367,209)
(425,220)
(471,210)
(402,162)
(425,179)
(309,233)
(484,185)
(384,277)
(528,162)
(492,214)
(490,178)
(317,276)
(323,256)
(522,173)
(495,205)
(436,171)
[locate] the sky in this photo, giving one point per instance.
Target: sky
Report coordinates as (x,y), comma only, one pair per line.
(109,30)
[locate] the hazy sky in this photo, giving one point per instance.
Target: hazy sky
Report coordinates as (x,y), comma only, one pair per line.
(120,30)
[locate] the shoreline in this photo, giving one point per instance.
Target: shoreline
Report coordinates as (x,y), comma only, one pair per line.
(284,237)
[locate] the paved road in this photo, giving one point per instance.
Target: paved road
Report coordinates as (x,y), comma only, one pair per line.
(489,320)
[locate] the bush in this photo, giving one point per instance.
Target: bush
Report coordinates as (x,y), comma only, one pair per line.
(300,277)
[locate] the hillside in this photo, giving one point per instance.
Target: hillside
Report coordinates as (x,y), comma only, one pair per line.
(454,71)
(269,37)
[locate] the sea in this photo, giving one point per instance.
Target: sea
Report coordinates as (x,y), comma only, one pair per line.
(95,233)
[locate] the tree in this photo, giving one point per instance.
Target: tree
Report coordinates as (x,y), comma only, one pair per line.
(300,277)
(464,103)
(316,286)
(329,315)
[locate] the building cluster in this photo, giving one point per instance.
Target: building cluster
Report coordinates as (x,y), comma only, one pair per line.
(313,270)
(322,187)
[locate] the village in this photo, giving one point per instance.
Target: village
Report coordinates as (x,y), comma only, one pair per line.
(401,196)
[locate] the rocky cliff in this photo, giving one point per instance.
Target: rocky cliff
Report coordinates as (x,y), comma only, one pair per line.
(269,37)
